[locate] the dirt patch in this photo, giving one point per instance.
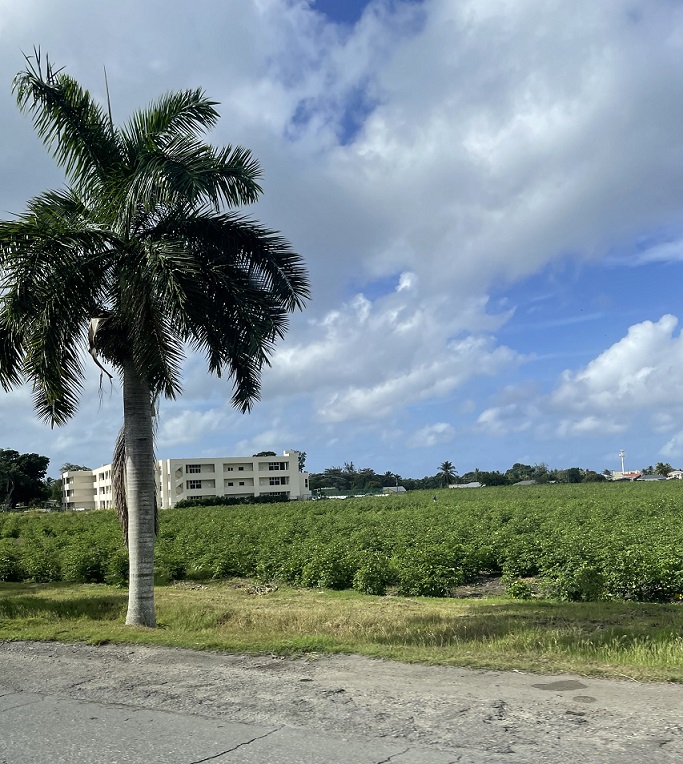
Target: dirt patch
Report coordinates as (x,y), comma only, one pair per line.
(484,585)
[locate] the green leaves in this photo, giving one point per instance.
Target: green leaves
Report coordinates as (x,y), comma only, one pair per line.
(139,238)
(74,128)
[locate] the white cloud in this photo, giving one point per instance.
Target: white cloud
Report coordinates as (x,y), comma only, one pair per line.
(501,420)
(640,374)
(641,371)
(277,438)
(664,421)
(667,252)
(673,448)
(590,425)
(368,359)
(190,425)
(432,434)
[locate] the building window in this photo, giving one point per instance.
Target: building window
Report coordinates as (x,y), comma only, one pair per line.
(274,480)
(193,469)
(241,482)
(231,483)
(277,465)
(241,469)
(194,484)
(229,469)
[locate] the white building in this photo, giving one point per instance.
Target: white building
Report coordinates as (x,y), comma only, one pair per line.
(87,489)
(177,479)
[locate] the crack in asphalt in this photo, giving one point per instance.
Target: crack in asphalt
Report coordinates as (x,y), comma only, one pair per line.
(19,705)
(400,753)
(239,745)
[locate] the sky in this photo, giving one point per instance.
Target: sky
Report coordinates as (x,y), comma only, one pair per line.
(488,196)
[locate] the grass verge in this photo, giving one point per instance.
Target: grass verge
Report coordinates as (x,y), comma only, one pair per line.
(610,639)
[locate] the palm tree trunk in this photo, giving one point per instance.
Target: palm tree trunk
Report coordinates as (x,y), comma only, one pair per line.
(140,491)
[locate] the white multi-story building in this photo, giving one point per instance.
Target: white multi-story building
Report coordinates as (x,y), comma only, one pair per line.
(177,479)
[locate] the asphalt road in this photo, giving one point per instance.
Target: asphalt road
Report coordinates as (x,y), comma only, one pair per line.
(120,704)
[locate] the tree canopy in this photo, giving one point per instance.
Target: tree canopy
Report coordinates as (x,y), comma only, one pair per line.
(22,477)
(448,472)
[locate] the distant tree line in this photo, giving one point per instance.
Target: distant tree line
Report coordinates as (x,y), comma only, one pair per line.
(349,478)
(661,468)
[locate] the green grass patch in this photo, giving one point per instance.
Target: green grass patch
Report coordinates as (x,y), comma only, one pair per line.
(611,639)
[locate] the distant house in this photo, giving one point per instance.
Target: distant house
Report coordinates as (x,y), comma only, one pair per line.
(625,475)
(675,475)
(650,478)
(473,484)
(525,482)
(394,489)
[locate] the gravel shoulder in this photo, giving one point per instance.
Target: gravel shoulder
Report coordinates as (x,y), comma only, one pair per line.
(465,712)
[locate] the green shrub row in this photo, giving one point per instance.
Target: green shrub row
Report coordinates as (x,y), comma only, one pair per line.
(571,542)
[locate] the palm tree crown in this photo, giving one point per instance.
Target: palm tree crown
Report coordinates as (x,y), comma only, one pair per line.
(139,242)
(448,472)
(137,259)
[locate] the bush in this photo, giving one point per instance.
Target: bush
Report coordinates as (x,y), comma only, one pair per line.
(330,568)
(10,568)
(169,564)
(116,568)
(40,561)
(428,572)
(645,575)
(373,573)
(229,501)
(519,590)
(83,565)
(579,580)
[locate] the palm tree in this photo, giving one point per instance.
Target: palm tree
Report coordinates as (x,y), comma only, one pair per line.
(447,472)
(137,262)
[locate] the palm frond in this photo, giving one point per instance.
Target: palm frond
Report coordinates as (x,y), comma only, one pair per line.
(236,174)
(187,174)
(51,264)
(72,125)
(229,285)
(229,243)
(186,112)
(11,350)
(118,483)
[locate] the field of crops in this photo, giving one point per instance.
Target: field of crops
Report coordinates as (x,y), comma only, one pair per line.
(568,542)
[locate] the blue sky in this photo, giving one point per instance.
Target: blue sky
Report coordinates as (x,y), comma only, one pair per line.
(494,240)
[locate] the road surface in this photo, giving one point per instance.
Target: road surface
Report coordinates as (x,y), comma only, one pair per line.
(120,704)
